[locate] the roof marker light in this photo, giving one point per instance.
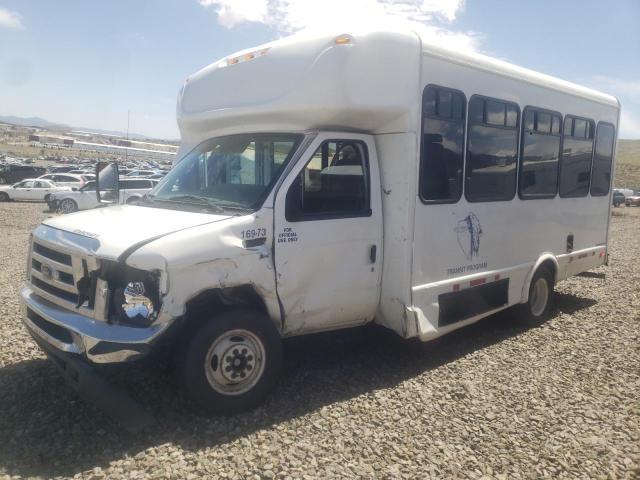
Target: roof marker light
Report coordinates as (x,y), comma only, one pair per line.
(245,57)
(345,39)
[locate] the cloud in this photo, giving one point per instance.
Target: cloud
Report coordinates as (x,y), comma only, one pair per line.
(628,92)
(431,17)
(9,19)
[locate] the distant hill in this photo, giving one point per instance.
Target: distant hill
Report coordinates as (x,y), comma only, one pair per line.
(628,164)
(38,122)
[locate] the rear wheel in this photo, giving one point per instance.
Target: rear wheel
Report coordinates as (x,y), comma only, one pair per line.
(68,206)
(47,198)
(536,309)
(4,197)
(231,362)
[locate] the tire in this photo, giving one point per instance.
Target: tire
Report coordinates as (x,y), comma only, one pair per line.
(68,206)
(47,198)
(248,345)
(536,310)
(4,197)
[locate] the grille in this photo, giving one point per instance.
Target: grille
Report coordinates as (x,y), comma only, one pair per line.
(55,275)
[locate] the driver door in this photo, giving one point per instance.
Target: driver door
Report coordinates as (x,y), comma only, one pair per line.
(24,191)
(328,235)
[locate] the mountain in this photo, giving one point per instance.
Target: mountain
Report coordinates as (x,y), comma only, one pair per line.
(38,122)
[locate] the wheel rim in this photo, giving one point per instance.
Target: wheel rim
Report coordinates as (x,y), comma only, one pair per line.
(235,362)
(67,206)
(539,297)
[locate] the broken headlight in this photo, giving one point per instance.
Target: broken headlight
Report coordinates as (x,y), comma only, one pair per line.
(135,298)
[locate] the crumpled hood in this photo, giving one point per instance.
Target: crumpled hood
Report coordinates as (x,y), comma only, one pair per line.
(119,229)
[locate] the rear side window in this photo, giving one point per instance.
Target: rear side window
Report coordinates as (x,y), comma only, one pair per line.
(492,149)
(602,160)
(575,165)
(540,154)
(442,148)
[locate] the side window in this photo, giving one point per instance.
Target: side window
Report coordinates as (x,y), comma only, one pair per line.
(441,151)
(540,154)
(492,149)
(602,159)
(575,164)
(41,185)
(27,184)
(333,184)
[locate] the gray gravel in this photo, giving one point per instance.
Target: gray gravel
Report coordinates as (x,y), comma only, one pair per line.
(495,400)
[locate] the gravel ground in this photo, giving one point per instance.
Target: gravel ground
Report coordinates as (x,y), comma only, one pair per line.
(494,400)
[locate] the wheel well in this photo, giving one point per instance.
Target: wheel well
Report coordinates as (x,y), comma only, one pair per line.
(549,265)
(221,299)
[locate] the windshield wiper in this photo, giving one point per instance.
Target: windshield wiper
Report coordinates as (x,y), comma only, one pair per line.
(194,200)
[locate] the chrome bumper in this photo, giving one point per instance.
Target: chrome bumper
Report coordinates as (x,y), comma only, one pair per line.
(71,332)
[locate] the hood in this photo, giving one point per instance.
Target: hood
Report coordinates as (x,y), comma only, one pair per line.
(122,229)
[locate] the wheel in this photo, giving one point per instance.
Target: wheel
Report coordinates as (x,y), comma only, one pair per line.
(68,206)
(47,198)
(231,362)
(536,309)
(4,197)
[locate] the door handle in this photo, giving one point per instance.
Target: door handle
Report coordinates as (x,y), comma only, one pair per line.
(373,253)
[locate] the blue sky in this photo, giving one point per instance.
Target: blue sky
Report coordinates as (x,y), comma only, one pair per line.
(86,62)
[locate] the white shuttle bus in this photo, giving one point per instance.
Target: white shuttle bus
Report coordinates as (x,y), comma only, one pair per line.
(327,182)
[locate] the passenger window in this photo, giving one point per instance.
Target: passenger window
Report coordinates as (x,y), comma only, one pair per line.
(540,153)
(602,159)
(333,184)
(492,149)
(575,165)
(443,113)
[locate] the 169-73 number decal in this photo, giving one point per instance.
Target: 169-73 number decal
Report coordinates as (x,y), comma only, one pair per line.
(253,233)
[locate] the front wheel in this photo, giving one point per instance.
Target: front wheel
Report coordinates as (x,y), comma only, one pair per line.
(4,197)
(231,362)
(536,309)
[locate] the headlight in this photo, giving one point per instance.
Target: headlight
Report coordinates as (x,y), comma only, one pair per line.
(136,305)
(135,298)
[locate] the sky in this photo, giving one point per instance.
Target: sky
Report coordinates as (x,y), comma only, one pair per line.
(86,63)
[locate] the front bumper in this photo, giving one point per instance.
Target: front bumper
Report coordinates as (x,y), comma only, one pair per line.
(95,340)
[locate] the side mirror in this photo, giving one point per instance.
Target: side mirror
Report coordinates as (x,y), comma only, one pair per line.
(107,182)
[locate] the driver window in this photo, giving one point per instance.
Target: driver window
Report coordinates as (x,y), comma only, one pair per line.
(333,184)
(27,184)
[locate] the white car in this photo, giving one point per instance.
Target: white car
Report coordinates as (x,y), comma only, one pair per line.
(85,198)
(32,189)
(66,179)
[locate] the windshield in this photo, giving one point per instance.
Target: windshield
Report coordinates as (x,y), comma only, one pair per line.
(234,172)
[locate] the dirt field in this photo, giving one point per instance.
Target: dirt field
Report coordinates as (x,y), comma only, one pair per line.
(494,400)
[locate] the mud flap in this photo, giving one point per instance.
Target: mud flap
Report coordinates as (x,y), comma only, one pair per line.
(90,386)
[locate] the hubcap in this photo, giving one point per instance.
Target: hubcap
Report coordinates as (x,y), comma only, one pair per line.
(67,206)
(539,297)
(235,362)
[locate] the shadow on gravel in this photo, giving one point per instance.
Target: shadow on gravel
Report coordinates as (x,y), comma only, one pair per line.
(46,430)
(598,275)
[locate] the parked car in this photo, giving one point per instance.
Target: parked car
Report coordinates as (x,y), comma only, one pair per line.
(633,200)
(66,179)
(131,191)
(65,169)
(10,174)
(618,198)
(141,173)
(32,189)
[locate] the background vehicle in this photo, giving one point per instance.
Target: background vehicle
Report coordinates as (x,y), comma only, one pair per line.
(33,189)
(141,173)
(633,200)
(131,191)
(64,169)
(10,174)
(448,187)
(618,198)
(66,179)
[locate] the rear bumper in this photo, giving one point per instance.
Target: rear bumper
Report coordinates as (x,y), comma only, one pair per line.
(70,332)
